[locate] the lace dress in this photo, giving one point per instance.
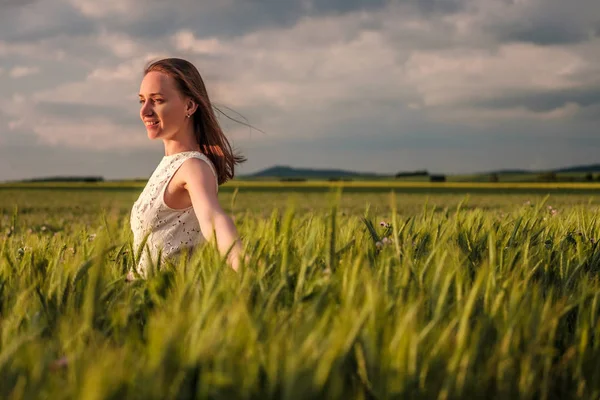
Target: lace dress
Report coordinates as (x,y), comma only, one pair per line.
(170,230)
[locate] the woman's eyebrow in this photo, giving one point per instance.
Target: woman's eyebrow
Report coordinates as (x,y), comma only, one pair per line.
(151,94)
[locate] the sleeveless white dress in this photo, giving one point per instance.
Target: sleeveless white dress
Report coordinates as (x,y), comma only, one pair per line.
(170,230)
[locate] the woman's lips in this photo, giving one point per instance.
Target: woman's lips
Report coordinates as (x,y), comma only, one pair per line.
(152,125)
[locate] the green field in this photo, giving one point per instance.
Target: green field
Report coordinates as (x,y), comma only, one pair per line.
(471,292)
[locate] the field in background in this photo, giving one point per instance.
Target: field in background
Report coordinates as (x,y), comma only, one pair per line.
(469,292)
(87,200)
(400,185)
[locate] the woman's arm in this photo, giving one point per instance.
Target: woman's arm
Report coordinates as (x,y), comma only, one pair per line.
(200,183)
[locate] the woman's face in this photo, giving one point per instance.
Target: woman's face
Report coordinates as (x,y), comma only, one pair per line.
(163,109)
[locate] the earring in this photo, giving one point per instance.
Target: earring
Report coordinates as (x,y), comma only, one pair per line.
(188,115)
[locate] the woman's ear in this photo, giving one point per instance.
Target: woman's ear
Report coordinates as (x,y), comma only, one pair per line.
(191,107)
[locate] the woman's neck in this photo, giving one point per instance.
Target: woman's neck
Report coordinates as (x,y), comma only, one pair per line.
(177,146)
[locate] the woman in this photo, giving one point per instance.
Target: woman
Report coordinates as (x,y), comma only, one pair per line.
(178,209)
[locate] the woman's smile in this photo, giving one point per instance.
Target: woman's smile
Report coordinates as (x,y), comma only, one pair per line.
(151,123)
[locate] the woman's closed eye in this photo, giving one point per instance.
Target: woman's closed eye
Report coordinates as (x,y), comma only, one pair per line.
(158,101)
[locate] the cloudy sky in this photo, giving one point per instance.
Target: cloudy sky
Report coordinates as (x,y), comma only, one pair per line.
(384,86)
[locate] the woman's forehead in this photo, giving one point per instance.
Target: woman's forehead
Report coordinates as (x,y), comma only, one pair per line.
(155,81)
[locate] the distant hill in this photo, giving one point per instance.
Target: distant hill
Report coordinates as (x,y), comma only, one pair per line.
(287,172)
(580,168)
(65,179)
(573,169)
(508,171)
(279,171)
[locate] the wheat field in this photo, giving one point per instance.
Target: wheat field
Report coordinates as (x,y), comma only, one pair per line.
(366,295)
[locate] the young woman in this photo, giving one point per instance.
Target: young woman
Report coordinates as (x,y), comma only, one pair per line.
(178,209)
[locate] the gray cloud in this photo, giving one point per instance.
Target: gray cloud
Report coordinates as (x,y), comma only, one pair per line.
(544,33)
(233,19)
(14,136)
(546,22)
(78,112)
(428,7)
(15,3)
(371,85)
(38,20)
(17,138)
(591,114)
(36,161)
(540,101)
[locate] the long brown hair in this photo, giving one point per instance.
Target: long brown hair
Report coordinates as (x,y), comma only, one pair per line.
(207,131)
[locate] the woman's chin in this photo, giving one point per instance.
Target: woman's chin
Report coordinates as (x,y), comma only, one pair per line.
(152,133)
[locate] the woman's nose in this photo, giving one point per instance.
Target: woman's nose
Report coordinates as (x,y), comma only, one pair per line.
(146,108)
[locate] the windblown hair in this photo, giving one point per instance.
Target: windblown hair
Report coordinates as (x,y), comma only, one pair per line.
(207,131)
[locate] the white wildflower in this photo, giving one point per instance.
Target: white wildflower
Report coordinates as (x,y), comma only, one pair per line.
(130,277)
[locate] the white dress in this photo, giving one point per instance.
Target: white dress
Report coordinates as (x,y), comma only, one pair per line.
(169,230)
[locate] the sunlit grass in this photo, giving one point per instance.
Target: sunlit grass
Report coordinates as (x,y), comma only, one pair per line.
(459,301)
